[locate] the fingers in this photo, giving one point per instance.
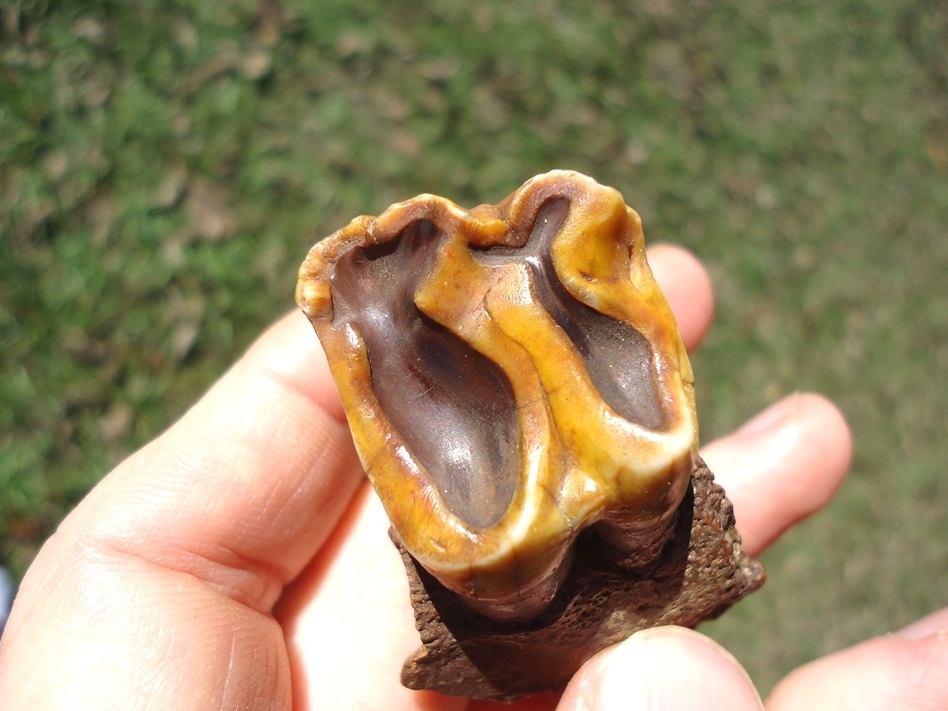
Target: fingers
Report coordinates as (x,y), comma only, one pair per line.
(244,488)
(687,287)
(663,668)
(906,670)
(785,464)
(782,466)
(171,564)
(935,623)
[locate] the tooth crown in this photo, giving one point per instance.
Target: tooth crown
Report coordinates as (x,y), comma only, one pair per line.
(512,376)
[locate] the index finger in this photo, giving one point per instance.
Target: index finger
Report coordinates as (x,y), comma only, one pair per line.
(159,585)
(244,488)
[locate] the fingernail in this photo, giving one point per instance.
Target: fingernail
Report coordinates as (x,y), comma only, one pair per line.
(927,626)
(773,417)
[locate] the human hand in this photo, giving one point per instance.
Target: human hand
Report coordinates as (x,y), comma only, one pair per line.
(241,561)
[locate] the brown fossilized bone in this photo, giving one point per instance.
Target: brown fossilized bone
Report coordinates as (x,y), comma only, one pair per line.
(523,404)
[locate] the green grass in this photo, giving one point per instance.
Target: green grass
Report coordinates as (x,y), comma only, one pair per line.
(165,166)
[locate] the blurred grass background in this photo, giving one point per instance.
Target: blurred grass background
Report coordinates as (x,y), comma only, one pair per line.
(165,166)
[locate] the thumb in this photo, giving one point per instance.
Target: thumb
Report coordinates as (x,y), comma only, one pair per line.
(662,668)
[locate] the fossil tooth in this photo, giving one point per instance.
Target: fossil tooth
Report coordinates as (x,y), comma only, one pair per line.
(517,391)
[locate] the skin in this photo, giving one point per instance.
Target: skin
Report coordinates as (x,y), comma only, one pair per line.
(241,561)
